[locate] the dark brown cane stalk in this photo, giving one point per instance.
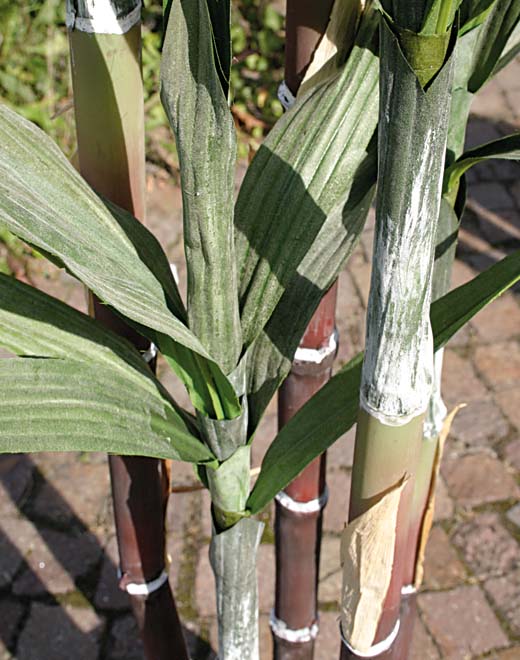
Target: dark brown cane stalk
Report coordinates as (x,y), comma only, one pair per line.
(109,113)
(299,509)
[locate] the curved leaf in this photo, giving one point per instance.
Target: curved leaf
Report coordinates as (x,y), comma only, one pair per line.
(507,148)
(511,50)
(303,172)
(66,405)
(44,201)
(493,37)
(197,108)
(333,410)
(452,311)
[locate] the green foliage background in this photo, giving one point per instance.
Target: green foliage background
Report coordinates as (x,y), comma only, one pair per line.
(35,78)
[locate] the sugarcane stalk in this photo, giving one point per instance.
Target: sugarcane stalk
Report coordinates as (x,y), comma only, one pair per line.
(415,86)
(299,508)
(105,46)
(436,412)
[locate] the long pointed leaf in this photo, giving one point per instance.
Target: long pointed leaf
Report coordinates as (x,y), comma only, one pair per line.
(303,172)
(44,201)
(507,148)
(493,37)
(197,108)
(65,405)
(333,410)
(37,325)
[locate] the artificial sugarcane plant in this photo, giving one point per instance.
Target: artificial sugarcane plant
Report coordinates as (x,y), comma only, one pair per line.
(105,47)
(416,68)
(300,209)
(310,56)
(123,268)
(486,40)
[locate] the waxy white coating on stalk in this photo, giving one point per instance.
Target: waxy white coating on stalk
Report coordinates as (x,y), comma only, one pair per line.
(398,375)
(311,506)
(292,635)
(317,355)
(437,411)
(103,16)
(146,588)
(376,649)
(233,559)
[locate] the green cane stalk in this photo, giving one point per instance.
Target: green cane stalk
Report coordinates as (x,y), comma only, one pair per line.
(474,61)
(415,85)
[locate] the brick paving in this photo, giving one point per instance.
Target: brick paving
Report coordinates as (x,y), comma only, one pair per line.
(59,595)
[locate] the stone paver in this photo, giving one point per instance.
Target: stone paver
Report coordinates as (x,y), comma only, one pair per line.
(461,622)
(509,402)
(499,364)
(512,454)
(57,544)
(500,321)
(442,568)
(423,647)
(486,546)
(514,515)
(459,380)
(479,424)
(124,642)
(505,594)
(478,479)
(61,633)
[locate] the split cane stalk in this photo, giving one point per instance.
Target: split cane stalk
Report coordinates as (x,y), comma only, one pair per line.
(108,97)
(415,87)
(299,508)
(475,61)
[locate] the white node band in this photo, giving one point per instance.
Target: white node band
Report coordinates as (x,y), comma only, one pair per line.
(285,96)
(376,649)
(312,506)
(150,353)
(146,588)
(103,18)
(408,590)
(317,355)
(298,636)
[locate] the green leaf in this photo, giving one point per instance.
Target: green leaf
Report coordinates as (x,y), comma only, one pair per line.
(33,323)
(440,16)
(493,36)
(198,112)
(270,357)
(314,428)
(220,15)
(37,325)
(511,49)
(333,410)
(304,172)
(456,308)
(44,201)
(473,13)
(507,148)
(66,405)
